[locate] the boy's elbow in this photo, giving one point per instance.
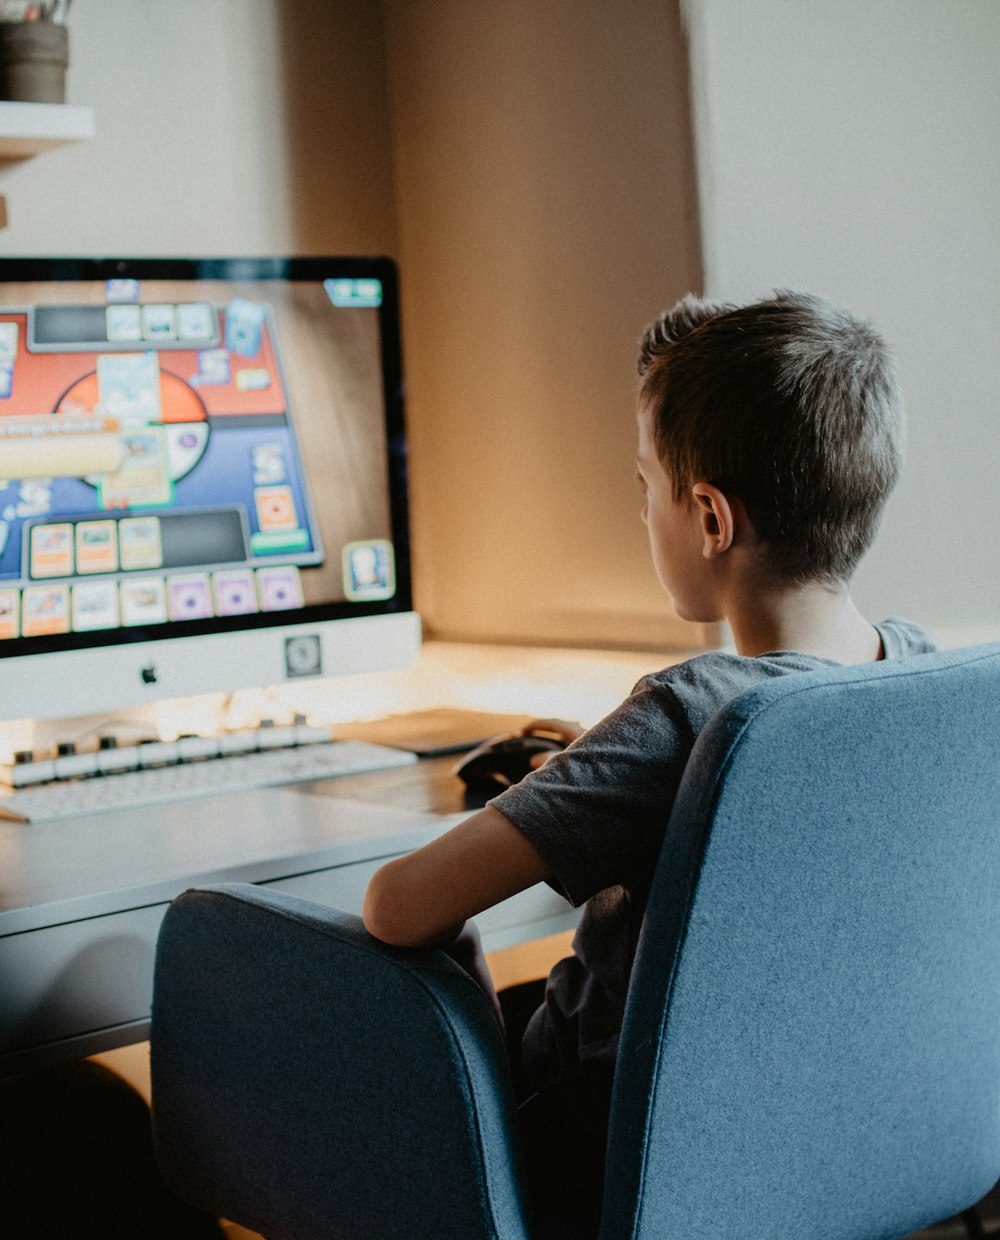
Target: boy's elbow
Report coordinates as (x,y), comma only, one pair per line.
(381,909)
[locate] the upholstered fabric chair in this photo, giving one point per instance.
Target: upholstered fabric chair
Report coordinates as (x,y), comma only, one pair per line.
(812,1040)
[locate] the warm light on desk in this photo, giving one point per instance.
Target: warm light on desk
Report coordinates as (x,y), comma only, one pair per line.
(568,684)
(572,684)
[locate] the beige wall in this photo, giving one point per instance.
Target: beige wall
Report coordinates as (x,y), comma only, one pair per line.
(534,178)
(546,213)
(850,148)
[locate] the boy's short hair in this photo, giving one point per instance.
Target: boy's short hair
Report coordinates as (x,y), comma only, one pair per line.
(793,405)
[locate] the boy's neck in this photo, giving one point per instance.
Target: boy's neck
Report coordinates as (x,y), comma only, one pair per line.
(816,619)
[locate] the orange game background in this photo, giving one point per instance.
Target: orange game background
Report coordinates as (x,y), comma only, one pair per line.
(44,381)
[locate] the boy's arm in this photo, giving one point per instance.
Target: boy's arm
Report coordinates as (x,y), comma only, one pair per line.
(425,897)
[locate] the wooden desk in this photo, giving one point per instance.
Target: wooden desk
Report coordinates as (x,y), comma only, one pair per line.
(81,900)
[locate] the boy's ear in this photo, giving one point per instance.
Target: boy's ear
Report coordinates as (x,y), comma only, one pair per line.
(718,519)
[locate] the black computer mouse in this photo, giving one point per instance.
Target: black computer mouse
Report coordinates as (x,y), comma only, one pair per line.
(502,761)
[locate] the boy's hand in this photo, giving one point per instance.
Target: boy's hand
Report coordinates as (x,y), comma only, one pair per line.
(564,731)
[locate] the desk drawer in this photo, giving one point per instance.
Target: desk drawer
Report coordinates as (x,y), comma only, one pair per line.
(86,977)
(78,978)
(84,982)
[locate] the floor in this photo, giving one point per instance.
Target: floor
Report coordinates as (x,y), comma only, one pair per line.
(235,1232)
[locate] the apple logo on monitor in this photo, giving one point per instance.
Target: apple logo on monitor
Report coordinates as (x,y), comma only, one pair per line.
(148,674)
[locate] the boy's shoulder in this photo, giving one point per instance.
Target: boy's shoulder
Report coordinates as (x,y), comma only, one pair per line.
(698,687)
(705,683)
(901,638)
(727,669)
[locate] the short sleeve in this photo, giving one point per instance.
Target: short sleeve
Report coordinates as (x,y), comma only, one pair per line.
(901,638)
(597,811)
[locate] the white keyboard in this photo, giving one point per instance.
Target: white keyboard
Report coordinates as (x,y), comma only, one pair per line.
(186,781)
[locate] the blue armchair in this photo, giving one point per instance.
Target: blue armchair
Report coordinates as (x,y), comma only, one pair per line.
(812,1038)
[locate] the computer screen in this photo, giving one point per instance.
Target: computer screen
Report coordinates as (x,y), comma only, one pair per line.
(202,477)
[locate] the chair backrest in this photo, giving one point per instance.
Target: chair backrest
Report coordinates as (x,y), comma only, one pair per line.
(811,1044)
(310,1082)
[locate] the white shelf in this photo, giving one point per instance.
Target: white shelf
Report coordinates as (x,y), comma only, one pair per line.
(30,128)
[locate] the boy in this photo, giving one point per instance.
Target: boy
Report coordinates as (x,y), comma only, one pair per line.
(769,440)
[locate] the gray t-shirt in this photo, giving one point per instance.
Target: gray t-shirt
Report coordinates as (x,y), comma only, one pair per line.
(597,813)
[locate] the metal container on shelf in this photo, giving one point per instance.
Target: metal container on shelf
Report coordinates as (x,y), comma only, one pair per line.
(34,56)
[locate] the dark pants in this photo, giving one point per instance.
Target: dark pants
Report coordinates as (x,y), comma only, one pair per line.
(563,1134)
(76,1162)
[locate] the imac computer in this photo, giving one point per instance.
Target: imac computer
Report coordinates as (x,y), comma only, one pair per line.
(202,478)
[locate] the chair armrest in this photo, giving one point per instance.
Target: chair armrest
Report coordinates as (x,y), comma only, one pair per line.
(309,1080)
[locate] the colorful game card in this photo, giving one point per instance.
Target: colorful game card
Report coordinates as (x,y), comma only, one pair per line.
(52,550)
(189,597)
(255,379)
(143,600)
(159,322)
(369,570)
(129,387)
(234,592)
(10,614)
(244,327)
(195,321)
(45,610)
(34,497)
(123,323)
(96,547)
(143,479)
(269,464)
(8,344)
(8,356)
(139,542)
(121,290)
(95,606)
(213,368)
(279,587)
(358,292)
(275,508)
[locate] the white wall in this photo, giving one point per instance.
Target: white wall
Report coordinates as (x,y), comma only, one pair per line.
(223,127)
(849,147)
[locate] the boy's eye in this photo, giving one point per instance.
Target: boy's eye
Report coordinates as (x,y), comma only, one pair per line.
(640,479)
